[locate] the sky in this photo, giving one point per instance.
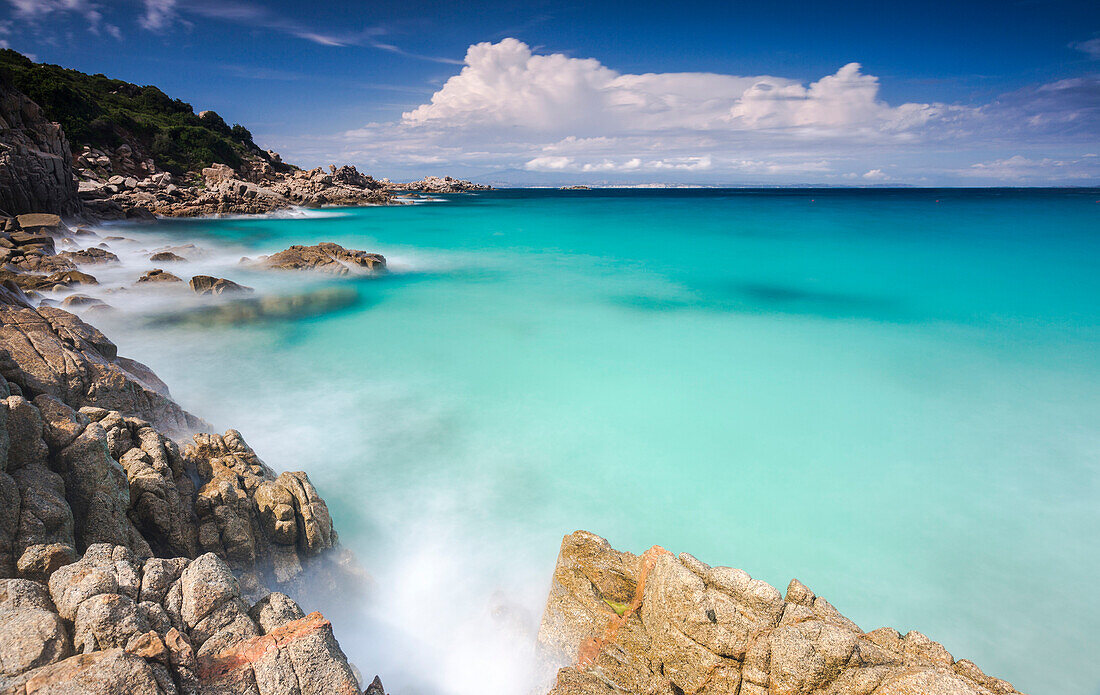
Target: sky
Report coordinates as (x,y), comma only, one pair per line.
(546,93)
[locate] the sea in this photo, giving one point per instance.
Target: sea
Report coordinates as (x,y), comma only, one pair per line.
(891,394)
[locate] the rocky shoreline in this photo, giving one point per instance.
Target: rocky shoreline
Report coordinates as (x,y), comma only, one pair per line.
(142,553)
(40,173)
(139,551)
(145,549)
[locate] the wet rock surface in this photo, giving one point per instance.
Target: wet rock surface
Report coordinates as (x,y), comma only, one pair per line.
(659,623)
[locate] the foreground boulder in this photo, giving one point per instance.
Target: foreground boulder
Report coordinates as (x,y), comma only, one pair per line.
(130,566)
(659,623)
(161,626)
(326,257)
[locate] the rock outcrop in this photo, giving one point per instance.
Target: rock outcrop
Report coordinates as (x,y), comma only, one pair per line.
(36,173)
(49,351)
(660,623)
(325,257)
(257,188)
(128,565)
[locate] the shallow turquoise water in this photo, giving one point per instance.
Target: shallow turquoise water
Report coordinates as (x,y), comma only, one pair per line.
(892,395)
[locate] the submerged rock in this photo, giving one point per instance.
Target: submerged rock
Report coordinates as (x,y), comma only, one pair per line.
(166,256)
(207,285)
(274,308)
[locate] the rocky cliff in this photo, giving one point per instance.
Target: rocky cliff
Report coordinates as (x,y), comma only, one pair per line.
(661,623)
(36,173)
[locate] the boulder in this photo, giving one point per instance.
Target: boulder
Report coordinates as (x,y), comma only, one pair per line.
(326,257)
(275,610)
(109,672)
(31,637)
(166,257)
(158,275)
(301,656)
(89,256)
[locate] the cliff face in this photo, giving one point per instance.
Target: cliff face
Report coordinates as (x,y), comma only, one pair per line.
(660,623)
(36,172)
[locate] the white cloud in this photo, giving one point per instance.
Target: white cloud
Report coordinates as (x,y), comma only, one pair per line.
(1021,169)
(505,84)
(559,163)
(510,107)
(1091,48)
(159,15)
(34,11)
(549,163)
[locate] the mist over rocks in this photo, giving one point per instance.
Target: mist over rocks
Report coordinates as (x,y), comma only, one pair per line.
(619,623)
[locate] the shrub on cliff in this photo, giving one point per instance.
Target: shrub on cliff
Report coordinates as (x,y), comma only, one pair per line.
(106,113)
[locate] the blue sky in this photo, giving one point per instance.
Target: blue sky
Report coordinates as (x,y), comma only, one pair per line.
(854,93)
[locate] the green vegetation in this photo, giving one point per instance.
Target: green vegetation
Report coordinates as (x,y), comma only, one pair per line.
(104,113)
(619,608)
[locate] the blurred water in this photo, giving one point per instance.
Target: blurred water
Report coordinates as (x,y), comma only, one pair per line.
(894,395)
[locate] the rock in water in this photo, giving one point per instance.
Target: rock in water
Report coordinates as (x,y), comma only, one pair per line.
(158,275)
(619,623)
(166,257)
(326,257)
(207,285)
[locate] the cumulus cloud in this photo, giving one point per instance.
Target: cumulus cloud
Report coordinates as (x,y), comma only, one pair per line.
(512,108)
(506,84)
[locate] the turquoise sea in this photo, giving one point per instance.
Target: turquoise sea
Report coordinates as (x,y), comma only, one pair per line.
(893,395)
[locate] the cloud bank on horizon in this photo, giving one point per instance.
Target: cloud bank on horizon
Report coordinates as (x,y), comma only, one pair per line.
(512,107)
